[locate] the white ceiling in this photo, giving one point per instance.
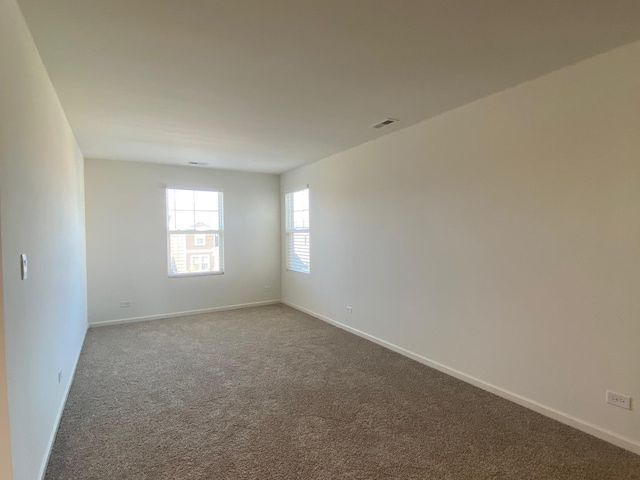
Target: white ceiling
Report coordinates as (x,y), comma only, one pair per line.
(267,85)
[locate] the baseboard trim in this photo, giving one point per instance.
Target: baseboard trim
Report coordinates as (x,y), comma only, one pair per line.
(119,321)
(599,432)
(52,438)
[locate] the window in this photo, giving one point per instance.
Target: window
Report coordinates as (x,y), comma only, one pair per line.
(297,228)
(194,231)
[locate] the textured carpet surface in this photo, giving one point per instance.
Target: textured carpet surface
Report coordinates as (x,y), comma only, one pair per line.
(272,393)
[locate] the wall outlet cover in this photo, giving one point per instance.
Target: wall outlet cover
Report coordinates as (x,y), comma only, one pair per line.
(23,266)
(619,400)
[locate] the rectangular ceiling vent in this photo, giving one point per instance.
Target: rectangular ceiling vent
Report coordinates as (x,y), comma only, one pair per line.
(202,164)
(385,122)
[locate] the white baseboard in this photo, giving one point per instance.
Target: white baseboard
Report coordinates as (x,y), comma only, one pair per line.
(52,438)
(180,314)
(599,432)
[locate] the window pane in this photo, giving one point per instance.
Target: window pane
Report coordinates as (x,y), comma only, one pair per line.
(301,200)
(301,219)
(188,254)
(297,226)
(207,221)
(184,220)
(171,198)
(206,200)
(299,252)
(193,253)
(171,220)
(184,199)
(216,256)
(200,263)
(177,254)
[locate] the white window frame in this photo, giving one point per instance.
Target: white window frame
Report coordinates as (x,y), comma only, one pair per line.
(219,232)
(291,230)
(200,239)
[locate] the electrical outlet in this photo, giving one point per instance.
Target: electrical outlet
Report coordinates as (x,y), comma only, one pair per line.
(267,288)
(126,304)
(349,310)
(619,400)
(59,376)
(23,266)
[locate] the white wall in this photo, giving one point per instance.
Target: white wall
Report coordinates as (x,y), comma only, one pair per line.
(42,212)
(127,240)
(500,239)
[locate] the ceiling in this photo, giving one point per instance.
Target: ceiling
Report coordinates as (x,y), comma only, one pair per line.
(267,85)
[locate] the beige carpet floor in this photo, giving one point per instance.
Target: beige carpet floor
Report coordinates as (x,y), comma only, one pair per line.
(272,393)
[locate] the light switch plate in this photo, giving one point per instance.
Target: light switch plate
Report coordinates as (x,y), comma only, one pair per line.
(23,265)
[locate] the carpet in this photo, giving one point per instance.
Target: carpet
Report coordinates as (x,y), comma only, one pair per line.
(272,393)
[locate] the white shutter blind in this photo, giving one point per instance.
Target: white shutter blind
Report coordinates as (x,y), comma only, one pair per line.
(297,228)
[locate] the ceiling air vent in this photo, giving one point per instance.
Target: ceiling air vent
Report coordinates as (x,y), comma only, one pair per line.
(385,122)
(202,164)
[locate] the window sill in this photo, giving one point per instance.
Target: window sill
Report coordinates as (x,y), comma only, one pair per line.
(195,274)
(298,271)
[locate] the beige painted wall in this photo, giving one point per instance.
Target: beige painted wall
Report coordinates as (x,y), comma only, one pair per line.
(42,213)
(127,240)
(500,240)
(5,444)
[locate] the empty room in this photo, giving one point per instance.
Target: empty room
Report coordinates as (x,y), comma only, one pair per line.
(285,239)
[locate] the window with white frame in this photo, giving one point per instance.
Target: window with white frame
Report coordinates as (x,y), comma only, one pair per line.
(194,232)
(297,230)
